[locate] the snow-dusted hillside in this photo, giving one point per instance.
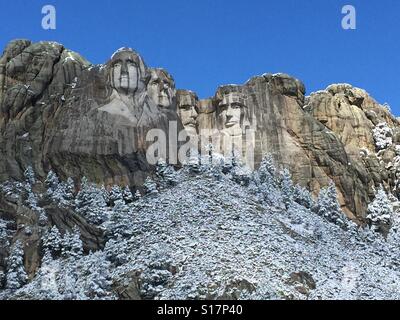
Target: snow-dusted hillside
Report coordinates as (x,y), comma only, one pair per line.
(205,232)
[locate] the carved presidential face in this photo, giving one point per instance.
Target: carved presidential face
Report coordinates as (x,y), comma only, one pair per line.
(188,110)
(188,115)
(161,88)
(126,71)
(232,112)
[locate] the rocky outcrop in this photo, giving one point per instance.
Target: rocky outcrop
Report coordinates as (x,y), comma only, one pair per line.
(356,118)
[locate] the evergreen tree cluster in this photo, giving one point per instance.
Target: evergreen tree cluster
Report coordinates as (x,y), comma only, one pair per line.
(141,228)
(67,245)
(16,275)
(380,213)
(328,207)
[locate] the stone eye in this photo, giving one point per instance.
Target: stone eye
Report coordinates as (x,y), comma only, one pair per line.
(130,62)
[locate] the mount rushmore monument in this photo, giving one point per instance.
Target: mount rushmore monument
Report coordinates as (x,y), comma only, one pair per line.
(63,114)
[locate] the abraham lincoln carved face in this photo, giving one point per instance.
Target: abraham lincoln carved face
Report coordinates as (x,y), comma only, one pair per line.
(232,113)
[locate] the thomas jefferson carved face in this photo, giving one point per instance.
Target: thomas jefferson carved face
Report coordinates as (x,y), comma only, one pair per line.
(232,112)
(161,88)
(126,71)
(188,109)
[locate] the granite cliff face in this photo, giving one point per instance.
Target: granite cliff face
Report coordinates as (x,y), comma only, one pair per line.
(368,131)
(274,107)
(61,113)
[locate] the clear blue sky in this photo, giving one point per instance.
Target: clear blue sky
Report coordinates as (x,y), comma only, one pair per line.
(205,43)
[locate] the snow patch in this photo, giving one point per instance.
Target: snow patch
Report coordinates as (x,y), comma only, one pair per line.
(383,136)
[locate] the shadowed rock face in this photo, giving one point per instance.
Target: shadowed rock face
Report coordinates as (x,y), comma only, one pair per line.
(59,112)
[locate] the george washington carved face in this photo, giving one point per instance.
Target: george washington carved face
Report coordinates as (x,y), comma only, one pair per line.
(127,71)
(161,88)
(127,76)
(187,103)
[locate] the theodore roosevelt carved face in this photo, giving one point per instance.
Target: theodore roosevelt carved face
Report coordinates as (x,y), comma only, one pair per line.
(187,103)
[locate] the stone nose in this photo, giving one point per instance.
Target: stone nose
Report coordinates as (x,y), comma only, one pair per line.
(229,112)
(124,68)
(193,113)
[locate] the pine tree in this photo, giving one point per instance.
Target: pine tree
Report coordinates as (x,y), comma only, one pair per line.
(228,164)
(53,242)
(90,203)
(60,192)
(72,244)
(287,188)
(115,194)
(29,175)
(215,172)
(115,251)
(264,183)
(194,164)
(303,197)
(69,190)
(98,281)
(239,173)
(72,288)
(150,186)
(210,151)
(137,195)
(120,221)
(161,167)
(328,206)
(380,212)
(2,279)
(127,195)
(32,203)
(43,220)
(52,183)
(45,282)
(267,172)
(16,275)
(106,194)
(4,234)
(166,173)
